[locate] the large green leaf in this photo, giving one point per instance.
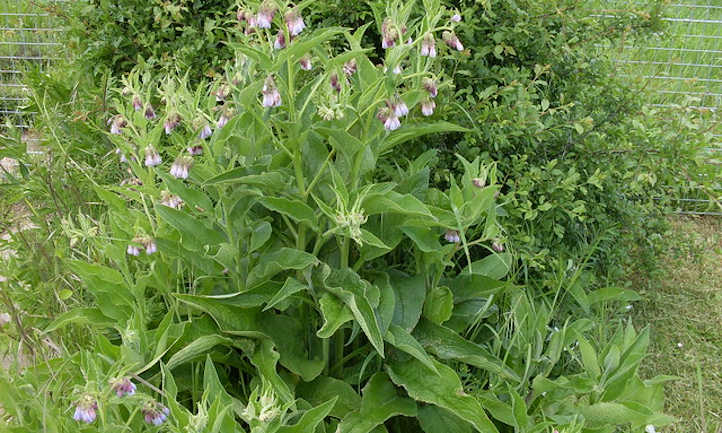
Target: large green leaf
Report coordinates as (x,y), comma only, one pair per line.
(81,316)
(196,349)
(289,336)
(310,419)
(410,294)
(393,202)
(380,402)
(434,419)
(348,286)
(265,358)
(323,388)
(447,344)
(335,313)
(494,266)
(606,414)
(292,208)
(228,317)
(402,340)
(439,304)
(409,132)
(279,260)
(271,180)
(190,227)
(443,390)
(290,287)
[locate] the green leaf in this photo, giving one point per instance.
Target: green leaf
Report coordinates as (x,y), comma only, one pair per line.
(409,132)
(434,419)
(292,342)
(81,316)
(410,294)
(190,227)
(191,196)
(393,202)
(607,294)
(402,340)
(335,313)
(260,235)
(439,304)
(426,240)
(494,266)
(279,260)
(324,388)
(195,349)
(380,402)
(290,287)
(292,208)
(349,287)
(228,317)
(606,414)
(589,358)
(271,180)
(265,358)
(443,390)
(447,344)
(310,419)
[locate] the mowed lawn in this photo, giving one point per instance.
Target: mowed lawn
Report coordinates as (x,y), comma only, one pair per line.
(683,305)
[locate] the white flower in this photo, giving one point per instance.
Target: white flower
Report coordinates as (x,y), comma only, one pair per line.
(428,46)
(392,123)
(271,96)
(294,22)
(427,107)
(152,157)
(650,429)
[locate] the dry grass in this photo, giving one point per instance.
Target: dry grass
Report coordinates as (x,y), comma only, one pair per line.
(684,308)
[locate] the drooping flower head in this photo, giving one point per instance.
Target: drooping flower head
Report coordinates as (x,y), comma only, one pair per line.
(478,182)
(305,62)
(350,67)
(150,248)
(137,103)
(456,18)
(430,86)
(294,22)
(85,409)
(428,45)
(205,132)
(399,107)
(497,246)
(271,96)
(452,40)
(280,42)
(149,112)
(171,123)
(122,386)
(427,107)
(155,413)
(225,117)
(171,200)
(181,167)
(195,150)
(133,250)
(152,157)
(265,15)
(389,34)
(222,92)
(335,83)
(117,123)
(452,236)
(390,120)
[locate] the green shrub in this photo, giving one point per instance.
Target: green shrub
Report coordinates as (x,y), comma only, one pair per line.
(270,264)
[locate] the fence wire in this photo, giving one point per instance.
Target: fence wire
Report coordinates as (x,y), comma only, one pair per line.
(28,39)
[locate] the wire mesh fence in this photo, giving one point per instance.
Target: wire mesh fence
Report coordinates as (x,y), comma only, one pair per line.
(28,38)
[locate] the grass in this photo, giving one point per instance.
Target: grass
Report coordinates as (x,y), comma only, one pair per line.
(683,305)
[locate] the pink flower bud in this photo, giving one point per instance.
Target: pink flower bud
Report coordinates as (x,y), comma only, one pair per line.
(85,409)
(497,246)
(430,86)
(305,62)
(152,157)
(350,67)
(452,40)
(155,413)
(427,107)
(195,150)
(294,22)
(171,200)
(452,236)
(478,182)
(265,15)
(123,387)
(206,132)
(428,46)
(280,42)
(149,112)
(335,83)
(181,167)
(137,104)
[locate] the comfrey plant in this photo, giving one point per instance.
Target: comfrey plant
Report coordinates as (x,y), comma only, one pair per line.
(326,284)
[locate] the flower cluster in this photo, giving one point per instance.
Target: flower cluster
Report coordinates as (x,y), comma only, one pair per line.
(141,242)
(123,386)
(85,409)
(155,413)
